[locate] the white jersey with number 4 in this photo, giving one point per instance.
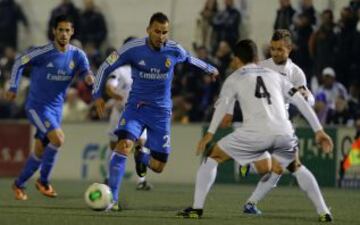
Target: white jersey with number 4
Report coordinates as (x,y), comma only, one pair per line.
(261,93)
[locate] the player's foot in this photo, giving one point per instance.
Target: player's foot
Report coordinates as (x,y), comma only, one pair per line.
(144,186)
(325,218)
(250,208)
(45,189)
(190,213)
(19,192)
(114,206)
(244,170)
(140,167)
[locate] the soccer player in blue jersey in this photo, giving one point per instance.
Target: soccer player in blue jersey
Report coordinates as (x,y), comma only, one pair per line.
(53,68)
(149,105)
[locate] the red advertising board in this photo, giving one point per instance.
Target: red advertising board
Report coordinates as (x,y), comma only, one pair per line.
(15,143)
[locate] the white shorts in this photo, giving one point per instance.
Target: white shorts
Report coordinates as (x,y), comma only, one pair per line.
(247,147)
(113,124)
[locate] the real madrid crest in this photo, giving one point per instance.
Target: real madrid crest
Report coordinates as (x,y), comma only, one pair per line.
(72,64)
(168,63)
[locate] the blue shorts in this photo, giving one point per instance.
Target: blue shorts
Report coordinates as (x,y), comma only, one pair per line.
(45,119)
(157,122)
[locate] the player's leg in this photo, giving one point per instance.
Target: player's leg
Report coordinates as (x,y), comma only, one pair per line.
(266,183)
(205,178)
(142,183)
(31,166)
(56,139)
(310,186)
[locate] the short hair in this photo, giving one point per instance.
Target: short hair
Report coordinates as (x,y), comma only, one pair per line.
(62,18)
(282,34)
(246,50)
(158,17)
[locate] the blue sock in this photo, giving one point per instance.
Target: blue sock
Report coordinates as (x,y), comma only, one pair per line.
(116,173)
(31,165)
(48,161)
(143,157)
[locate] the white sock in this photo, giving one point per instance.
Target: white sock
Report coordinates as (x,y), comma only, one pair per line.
(308,184)
(205,178)
(141,179)
(264,186)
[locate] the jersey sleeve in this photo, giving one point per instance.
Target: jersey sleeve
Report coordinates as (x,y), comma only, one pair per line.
(292,93)
(20,63)
(113,61)
(83,66)
(300,82)
(185,56)
(226,99)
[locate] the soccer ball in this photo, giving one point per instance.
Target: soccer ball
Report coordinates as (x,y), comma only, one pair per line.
(98,196)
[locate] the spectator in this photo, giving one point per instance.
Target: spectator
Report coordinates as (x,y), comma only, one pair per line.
(10,14)
(223,57)
(284,15)
(204,32)
(66,7)
(328,93)
(323,43)
(92,25)
(307,8)
(302,30)
(74,110)
(226,24)
(345,50)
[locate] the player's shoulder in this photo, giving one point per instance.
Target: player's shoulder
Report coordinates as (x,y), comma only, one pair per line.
(295,69)
(134,43)
(77,50)
(266,62)
(40,49)
(175,46)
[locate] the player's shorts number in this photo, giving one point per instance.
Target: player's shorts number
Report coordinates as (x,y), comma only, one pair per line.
(166,144)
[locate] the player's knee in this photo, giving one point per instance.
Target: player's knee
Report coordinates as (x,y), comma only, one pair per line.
(58,141)
(124,147)
(293,166)
(157,166)
(276,168)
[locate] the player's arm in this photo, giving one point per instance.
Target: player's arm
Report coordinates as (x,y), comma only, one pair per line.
(17,71)
(84,69)
(113,61)
(226,98)
(298,100)
(300,84)
(185,56)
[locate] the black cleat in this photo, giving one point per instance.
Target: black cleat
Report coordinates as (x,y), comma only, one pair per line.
(325,218)
(190,213)
(144,186)
(140,167)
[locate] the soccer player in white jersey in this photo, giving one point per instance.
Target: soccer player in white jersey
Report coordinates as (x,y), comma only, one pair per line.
(262,94)
(280,48)
(118,87)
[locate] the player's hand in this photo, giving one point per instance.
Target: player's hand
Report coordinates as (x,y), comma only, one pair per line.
(100,107)
(203,142)
(324,140)
(214,75)
(89,79)
(10,96)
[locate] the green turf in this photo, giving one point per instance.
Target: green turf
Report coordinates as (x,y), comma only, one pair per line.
(285,205)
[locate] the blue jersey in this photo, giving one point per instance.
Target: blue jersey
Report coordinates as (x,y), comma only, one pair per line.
(51,73)
(152,71)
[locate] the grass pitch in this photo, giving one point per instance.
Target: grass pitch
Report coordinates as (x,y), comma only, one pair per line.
(284,206)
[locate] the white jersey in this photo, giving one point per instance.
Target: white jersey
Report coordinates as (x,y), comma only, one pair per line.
(122,81)
(292,72)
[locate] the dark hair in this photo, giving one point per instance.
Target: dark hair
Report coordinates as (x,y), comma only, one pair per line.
(62,18)
(282,34)
(246,50)
(158,17)
(130,38)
